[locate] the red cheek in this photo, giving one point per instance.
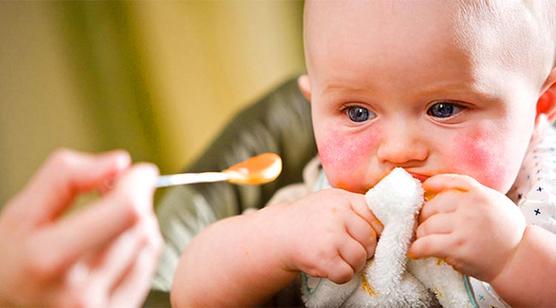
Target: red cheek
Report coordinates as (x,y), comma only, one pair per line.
(478,155)
(346,157)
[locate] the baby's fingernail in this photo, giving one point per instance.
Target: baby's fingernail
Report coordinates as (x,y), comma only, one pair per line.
(410,255)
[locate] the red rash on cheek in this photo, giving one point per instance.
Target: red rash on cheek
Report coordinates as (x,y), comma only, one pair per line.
(346,157)
(478,152)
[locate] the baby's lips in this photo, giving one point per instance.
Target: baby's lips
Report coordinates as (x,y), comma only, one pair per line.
(420,177)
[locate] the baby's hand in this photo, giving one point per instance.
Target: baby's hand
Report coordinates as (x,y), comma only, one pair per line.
(475,228)
(328,234)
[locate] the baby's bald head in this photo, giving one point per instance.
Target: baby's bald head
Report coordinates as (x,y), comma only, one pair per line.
(379,70)
(520,34)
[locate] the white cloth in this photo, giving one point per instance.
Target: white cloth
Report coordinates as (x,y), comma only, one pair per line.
(390,279)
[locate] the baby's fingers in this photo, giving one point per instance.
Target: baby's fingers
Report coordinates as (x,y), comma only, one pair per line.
(435,245)
(360,207)
(339,271)
(446,202)
(437,224)
(354,254)
(363,233)
(443,182)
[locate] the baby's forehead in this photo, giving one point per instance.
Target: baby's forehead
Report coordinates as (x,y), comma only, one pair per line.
(503,31)
(509,32)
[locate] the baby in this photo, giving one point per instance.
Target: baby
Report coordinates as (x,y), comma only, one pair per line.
(459,94)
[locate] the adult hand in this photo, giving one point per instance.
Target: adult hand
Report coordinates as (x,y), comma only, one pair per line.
(102,256)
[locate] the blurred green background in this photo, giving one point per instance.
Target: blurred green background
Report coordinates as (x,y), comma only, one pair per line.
(157,78)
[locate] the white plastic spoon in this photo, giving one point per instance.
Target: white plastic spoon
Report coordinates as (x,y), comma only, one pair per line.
(256,170)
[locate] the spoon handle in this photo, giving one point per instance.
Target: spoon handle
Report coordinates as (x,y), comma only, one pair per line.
(190,178)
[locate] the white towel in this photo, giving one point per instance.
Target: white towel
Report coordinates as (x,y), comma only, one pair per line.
(390,279)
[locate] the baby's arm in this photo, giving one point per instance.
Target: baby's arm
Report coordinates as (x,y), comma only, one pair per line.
(227,264)
(244,260)
(529,278)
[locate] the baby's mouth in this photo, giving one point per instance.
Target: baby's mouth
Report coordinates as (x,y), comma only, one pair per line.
(420,177)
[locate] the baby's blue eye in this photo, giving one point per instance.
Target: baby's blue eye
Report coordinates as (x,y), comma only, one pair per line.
(357,113)
(444,110)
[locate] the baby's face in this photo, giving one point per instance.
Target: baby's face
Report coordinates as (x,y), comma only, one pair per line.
(410,86)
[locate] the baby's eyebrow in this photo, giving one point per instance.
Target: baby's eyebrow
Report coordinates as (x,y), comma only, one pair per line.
(346,89)
(470,91)
(461,89)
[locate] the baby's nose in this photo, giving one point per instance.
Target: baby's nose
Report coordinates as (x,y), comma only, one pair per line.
(402,146)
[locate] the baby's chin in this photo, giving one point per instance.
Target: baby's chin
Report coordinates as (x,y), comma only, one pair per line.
(359,184)
(351,186)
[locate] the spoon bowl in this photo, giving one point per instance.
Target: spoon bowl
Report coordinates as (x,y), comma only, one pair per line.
(260,169)
(256,170)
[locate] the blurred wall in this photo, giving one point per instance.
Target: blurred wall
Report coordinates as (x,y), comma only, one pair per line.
(157,78)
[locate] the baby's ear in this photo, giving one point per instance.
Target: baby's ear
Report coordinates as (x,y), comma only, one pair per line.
(547,101)
(304,86)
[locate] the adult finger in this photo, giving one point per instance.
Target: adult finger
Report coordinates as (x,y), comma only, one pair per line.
(445,202)
(74,292)
(435,245)
(65,174)
(437,224)
(117,257)
(139,182)
(133,287)
(443,182)
(61,244)
(151,239)
(359,206)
